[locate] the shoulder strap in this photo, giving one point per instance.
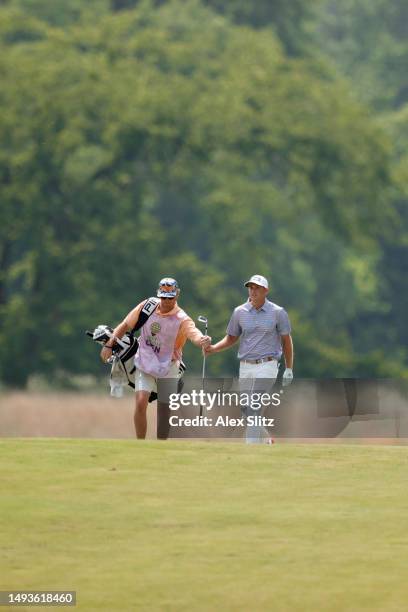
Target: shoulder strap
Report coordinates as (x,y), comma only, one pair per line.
(148,309)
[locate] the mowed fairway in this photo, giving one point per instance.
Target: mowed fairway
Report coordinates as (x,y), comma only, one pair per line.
(206,526)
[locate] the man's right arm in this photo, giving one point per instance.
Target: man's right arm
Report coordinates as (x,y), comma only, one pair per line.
(233,333)
(223,344)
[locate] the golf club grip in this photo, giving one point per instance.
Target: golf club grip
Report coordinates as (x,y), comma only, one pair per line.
(88,333)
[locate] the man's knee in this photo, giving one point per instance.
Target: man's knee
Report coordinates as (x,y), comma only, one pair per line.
(142,399)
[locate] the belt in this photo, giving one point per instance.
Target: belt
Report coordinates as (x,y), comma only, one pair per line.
(259,360)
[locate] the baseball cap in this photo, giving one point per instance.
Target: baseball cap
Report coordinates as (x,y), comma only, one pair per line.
(168,288)
(257,279)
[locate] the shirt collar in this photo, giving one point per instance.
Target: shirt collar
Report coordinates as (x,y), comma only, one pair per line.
(250,307)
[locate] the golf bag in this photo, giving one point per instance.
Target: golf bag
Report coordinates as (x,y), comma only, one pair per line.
(124,350)
(122,360)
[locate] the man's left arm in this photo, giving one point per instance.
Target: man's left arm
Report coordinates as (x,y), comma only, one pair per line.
(193,334)
(284,330)
(287,347)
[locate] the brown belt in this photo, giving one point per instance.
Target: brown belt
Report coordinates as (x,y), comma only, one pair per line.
(253,361)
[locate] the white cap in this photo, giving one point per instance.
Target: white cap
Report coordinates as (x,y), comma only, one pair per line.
(257,279)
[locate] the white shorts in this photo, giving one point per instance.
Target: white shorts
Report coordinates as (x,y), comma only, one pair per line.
(147,382)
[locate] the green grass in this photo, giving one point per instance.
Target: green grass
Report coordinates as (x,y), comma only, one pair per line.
(206,526)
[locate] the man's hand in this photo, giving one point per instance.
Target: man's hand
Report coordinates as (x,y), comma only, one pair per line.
(287,377)
(209,349)
(106,353)
(205,341)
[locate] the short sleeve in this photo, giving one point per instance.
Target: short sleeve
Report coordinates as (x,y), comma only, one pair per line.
(283,323)
(234,328)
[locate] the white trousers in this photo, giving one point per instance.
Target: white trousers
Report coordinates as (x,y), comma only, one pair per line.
(257,378)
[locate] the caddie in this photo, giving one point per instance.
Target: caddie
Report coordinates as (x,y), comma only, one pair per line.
(160,350)
(264,331)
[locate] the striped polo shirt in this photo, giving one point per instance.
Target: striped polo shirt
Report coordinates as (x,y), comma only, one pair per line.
(260,330)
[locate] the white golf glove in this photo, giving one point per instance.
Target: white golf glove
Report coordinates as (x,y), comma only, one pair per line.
(287,377)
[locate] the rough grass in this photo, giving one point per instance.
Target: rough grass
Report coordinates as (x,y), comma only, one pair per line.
(206,526)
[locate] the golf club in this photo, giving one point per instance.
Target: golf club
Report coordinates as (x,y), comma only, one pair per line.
(204,320)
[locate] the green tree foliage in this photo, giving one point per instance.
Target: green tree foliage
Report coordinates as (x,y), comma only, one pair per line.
(168,141)
(394,261)
(59,12)
(289,20)
(368,40)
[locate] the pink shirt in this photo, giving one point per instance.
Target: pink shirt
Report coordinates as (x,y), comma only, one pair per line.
(162,338)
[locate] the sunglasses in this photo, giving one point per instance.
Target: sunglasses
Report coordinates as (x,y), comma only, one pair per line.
(168,298)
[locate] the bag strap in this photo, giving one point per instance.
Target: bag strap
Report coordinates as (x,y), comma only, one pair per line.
(148,309)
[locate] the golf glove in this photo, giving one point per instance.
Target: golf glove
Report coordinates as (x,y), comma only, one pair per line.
(287,377)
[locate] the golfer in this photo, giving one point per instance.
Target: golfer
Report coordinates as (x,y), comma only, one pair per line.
(264,332)
(160,349)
